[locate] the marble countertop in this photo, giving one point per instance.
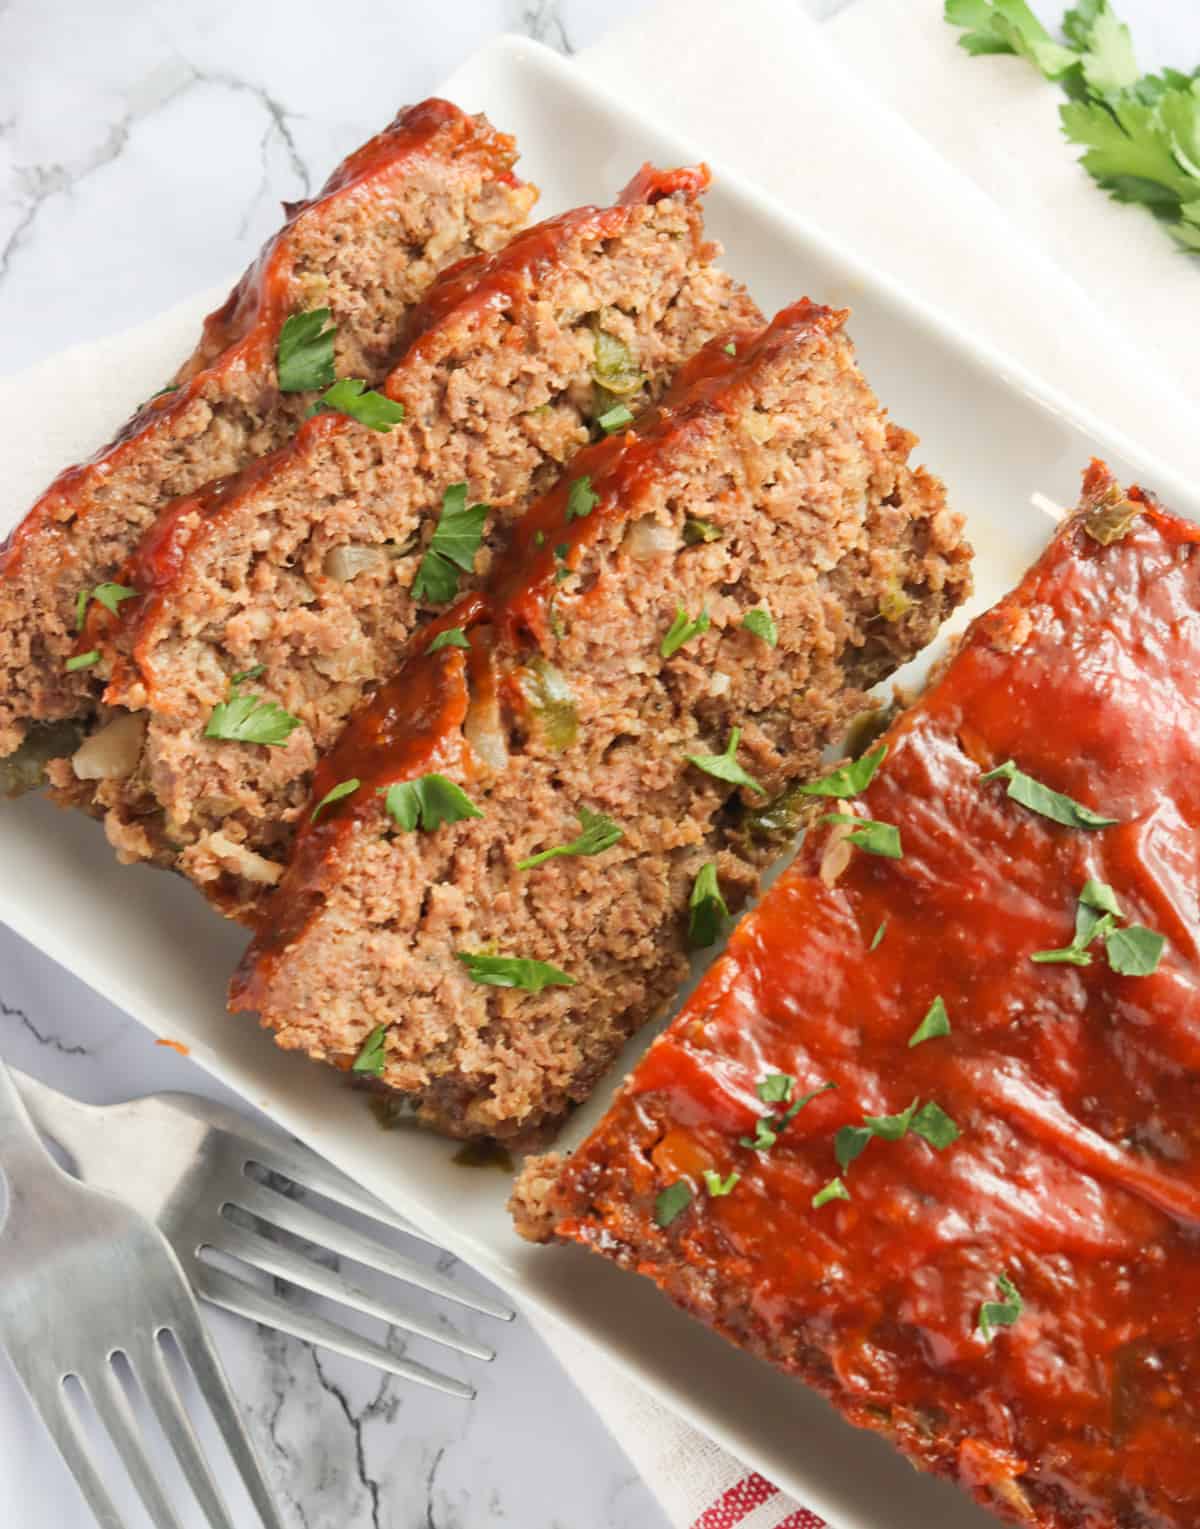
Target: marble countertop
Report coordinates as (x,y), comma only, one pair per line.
(106,112)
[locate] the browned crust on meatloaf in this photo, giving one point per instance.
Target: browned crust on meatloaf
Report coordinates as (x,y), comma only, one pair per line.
(432,187)
(567,701)
(499,392)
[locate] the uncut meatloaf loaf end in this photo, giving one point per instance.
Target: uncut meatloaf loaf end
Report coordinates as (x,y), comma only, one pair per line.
(306,564)
(686,610)
(433,187)
(978,1236)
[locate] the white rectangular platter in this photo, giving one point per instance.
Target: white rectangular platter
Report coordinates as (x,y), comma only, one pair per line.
(151,946)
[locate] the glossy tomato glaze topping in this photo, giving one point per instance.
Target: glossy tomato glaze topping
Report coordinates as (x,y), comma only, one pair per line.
(1076,1090)
(505,622)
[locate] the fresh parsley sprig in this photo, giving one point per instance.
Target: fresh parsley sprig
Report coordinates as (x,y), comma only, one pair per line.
(248,718)
(452,548)
(598,833)
(352,397)
(1041,799)
(848,779)
(1132,949)
(110,596)
(928,1121)
(513,971)
(681,630)
(725,766)
(304,354)
(427,802)
(776,1088)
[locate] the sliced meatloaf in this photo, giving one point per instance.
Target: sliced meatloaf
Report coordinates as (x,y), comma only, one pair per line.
(927,1136)
(310,563)
(680,627)
(435,186)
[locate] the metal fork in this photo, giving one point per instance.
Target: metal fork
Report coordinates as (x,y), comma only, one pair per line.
(86,1279)
(183,1160)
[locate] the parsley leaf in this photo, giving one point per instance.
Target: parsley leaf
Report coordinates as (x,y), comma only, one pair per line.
(1041,799)
(1008,26)
(615,419)
(304,355)
(696,531)
(877,937)
(777,1087)
(452,547)
(682,630)
(250,719)
(725,766)
(373,1055)
(730,349)
(929,1121)
(932,1124)
(673,1199)
(994,1314)
(512,971)
(1134,951)
(429,801)
(82,661)
(935,1023)
(707,911)
(847,779)
(599,833)
(834,1190)
(876,838)
(580,499)
(849,1143)
(352,397)
(718,1186)
(247,674)
(338,793)
(454,637)
(110,596)
(762,624)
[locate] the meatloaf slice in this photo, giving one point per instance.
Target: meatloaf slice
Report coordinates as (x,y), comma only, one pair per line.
(434,186)
(306,563)
(673,618)
(978,1236)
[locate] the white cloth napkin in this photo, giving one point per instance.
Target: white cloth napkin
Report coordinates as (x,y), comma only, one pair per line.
(950,174)
(967,196)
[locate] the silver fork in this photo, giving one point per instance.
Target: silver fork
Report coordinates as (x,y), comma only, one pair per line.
(183,1160)
(86,1279)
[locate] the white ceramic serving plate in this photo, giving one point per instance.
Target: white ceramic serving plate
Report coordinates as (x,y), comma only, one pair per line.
(150,945)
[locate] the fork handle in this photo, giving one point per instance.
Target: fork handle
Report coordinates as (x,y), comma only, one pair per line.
(21,1152)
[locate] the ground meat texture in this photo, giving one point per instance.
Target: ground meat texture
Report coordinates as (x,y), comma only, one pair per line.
(772,440)
(499,389)
(1065,1194)
(433,187)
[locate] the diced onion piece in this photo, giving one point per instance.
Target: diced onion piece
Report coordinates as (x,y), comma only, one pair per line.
(243,862)
(347,562)
(836,855)
(114,751)
(648,537)
(719,683)
(484,731)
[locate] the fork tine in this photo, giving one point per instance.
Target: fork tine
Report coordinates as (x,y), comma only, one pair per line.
(294,1216)
(63,1427)
(262,1253)
(113,1409)
(159,1388)
(305,1168)
(245,1300)
(210,1377)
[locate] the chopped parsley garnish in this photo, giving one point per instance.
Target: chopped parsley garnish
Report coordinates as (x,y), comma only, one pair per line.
(848,779)
(994,1314)
(707,911)
(834,1190)
(673,1199)
(776,1088)
(110,596)
(598,834)
(248,718)
(82,661)
(730,349)
(929,1121)
(304,356)
(761,623)
(1042,800)
(248,674)
(429,801)
(696,531)
(725,766)
(352,397)
(616,418)
(512,971)
(935,1023)
(580,499)
(339,792)
(877,937)
(1141,131)
(718,1186)
(1132,951)
(682,630)
(452,547)
(372,1056)
(454,637)
(876,838)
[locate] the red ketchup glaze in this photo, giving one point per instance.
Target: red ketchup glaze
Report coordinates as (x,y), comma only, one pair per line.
(245,328)
(1076,1090)
(507,621)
